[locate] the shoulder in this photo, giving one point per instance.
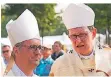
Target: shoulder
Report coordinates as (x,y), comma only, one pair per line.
(50,60)
(62,61)
(61,52)
(103,52)
(61,64)
(59,60)
(10,73)
(3,66)
(58,63)
(65,57)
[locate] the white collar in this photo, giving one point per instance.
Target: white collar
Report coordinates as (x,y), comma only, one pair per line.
(17,71)
(87,57)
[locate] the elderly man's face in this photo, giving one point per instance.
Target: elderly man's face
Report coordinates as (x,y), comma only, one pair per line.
(82,39)
(30,52)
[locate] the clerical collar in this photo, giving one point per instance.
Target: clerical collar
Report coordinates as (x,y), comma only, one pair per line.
(87,57)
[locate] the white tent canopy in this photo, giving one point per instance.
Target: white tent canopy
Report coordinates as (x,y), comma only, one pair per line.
(62,38)
(49,40)
(5,41)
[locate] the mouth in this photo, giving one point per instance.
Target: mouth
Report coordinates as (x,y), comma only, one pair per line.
(35,59)
(79,46)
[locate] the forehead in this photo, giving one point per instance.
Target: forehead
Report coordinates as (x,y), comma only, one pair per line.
(78,30)
(6,47)
(55,44)
(33,41)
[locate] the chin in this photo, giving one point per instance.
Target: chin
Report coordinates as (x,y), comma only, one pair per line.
(34,63)
(81,51)
(37,62)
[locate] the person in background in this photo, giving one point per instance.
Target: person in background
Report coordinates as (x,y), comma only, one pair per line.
(84,59)
(57,50)
(65,48)
(25,40)
(6,52)
(43,69)
(3,66)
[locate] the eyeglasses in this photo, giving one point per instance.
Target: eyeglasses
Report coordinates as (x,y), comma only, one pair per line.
(5,51)
(33,47)
(82,36)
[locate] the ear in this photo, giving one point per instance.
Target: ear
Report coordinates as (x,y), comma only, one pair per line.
(94,33)
(69,36)
(16,50)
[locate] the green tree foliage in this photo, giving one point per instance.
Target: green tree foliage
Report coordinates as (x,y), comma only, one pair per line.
(44,13)
(49,22)
(102,16)
(103,19)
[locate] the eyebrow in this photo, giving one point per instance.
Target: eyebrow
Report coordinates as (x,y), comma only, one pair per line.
(79,33)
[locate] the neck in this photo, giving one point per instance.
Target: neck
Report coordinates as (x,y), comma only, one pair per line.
(87,54)
(25,68)
(57,52)
(45,57)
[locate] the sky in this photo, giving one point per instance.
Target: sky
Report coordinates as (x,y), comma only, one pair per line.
(60,6)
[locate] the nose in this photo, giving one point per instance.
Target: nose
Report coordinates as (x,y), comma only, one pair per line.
(37,52)
(77,40)
(38,55)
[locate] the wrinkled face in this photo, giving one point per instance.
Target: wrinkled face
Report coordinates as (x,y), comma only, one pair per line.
(30,52)
(82,39)
(6,52)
